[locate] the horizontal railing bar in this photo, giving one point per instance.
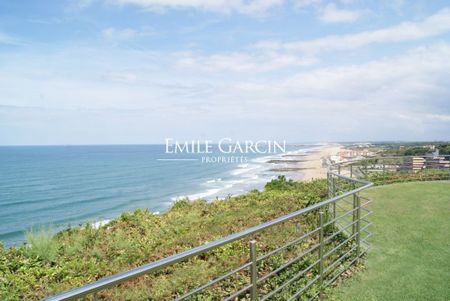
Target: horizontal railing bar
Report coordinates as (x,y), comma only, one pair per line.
(367,232)
(364,198)
(345,268)
(296,276)
(339,232)
(366,220)
(365,209)
(365,227)
(238,293)
(345,241)
(342,208)
(315,296)
(339,187)
(200,288)
(366,203)
(344,218)
(331,266)
(287,245)
(347,202)
(364,240)
(350,179)
(339,217)
(304,288)
(110,281)
(282,267)
(363,218)
(340,245)
(340,272)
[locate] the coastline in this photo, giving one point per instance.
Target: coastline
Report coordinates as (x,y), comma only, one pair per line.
(316,163)
(306,166)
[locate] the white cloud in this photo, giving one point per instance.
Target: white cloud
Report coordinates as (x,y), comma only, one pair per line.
(306,3)
(271,55)
(409,79)
(84,3)
(431,26)
(8,40)
(331,14)
(240,61)
(118,34)
(413,84)
(123,34)
(402,97)
(439,117)
(225,6)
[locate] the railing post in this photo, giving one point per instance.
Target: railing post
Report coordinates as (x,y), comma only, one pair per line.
(333,194)
(448,159)
(351,171)
(329,184)
(333,187)
(358,227)
(321,245)
(354,214)
(339,169)
(253,271)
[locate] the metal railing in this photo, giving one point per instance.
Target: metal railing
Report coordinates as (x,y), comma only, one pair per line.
(313,259)
(385,170)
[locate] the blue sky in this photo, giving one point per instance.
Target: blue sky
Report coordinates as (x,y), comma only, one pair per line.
(140,71)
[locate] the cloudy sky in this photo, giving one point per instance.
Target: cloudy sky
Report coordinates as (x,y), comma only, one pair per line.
(138,71)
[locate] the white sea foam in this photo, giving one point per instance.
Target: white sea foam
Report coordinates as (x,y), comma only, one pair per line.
(243,170)
(214,180)
(197,196)
(244,177)
(101,223)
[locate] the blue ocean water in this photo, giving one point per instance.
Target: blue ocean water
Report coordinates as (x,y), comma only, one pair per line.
(60,186)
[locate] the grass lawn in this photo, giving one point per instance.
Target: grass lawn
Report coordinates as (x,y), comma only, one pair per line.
(410,255)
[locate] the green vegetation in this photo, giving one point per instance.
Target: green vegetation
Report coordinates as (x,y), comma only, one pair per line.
(410,258)
(41,244)
(81,255)
(444,148)
(382,178)
(413,148)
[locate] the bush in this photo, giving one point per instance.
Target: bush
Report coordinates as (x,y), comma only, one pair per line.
(41,244)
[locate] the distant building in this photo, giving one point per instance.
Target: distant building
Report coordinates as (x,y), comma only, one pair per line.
(416,163)
(432,162)
(350,154)
(437,162)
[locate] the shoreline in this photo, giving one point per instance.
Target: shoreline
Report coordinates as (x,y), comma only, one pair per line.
(316,164)
(306,166)
(310,165)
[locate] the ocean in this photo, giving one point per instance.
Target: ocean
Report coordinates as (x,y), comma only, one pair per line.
(61,186)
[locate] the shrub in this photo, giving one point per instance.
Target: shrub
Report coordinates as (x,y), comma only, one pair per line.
(41,244)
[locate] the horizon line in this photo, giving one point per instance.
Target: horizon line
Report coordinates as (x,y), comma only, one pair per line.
(289,143)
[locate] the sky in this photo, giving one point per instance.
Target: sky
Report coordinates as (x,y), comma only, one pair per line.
(141,71)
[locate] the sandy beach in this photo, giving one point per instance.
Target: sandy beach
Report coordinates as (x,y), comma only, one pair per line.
(314,166)
(307,166)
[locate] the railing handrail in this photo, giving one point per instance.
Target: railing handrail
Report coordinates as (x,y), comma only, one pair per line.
(346,162)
